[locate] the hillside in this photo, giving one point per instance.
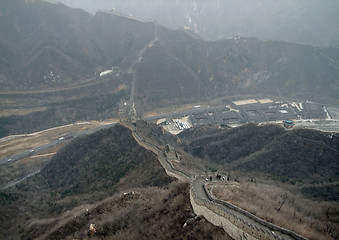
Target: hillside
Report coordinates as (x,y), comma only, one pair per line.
(98,162)
(80,46)
(105,185)
(93,172)
(181,69)
(46,45)
(141,214)
(94,106)
(57,64)
(312,22)
(250,66)
(297,156)
(163,79)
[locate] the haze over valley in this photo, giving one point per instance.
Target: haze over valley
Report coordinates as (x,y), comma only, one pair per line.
(169,119)
(313,22)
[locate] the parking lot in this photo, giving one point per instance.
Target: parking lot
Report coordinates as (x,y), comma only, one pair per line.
(304,114)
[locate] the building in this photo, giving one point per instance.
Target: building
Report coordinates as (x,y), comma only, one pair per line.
(288,123)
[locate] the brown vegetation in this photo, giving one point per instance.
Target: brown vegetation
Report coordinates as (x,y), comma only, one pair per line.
(126,191)
(297,156)
(143,213)
(314,220)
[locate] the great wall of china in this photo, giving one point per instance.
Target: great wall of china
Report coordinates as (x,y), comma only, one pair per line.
(236,222)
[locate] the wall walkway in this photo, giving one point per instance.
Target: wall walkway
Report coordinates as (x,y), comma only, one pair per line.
(236,222)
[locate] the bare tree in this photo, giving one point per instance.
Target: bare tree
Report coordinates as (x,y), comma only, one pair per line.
(328,225)
(284,198)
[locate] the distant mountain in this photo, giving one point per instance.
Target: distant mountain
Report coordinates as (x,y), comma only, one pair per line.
(300,155)
(313,22)
(47,45)
(44,46)
(180,67)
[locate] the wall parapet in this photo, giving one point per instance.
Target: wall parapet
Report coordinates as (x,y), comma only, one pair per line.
(201,207)
(255,227)
(253,217)
(218,212)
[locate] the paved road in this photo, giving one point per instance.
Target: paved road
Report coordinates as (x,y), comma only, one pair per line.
(28,153)
(42,148)
(51,144)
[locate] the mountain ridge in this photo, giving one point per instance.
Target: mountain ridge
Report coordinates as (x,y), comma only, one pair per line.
(301,155)
(106,179)
(312,22)
(74,50)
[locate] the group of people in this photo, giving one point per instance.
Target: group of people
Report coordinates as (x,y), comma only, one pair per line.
(219,177)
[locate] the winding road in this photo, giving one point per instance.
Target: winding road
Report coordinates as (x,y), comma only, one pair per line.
(51,144)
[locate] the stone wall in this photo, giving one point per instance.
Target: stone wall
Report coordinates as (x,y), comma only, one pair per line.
(289,234)
(200,208)
(220,214)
